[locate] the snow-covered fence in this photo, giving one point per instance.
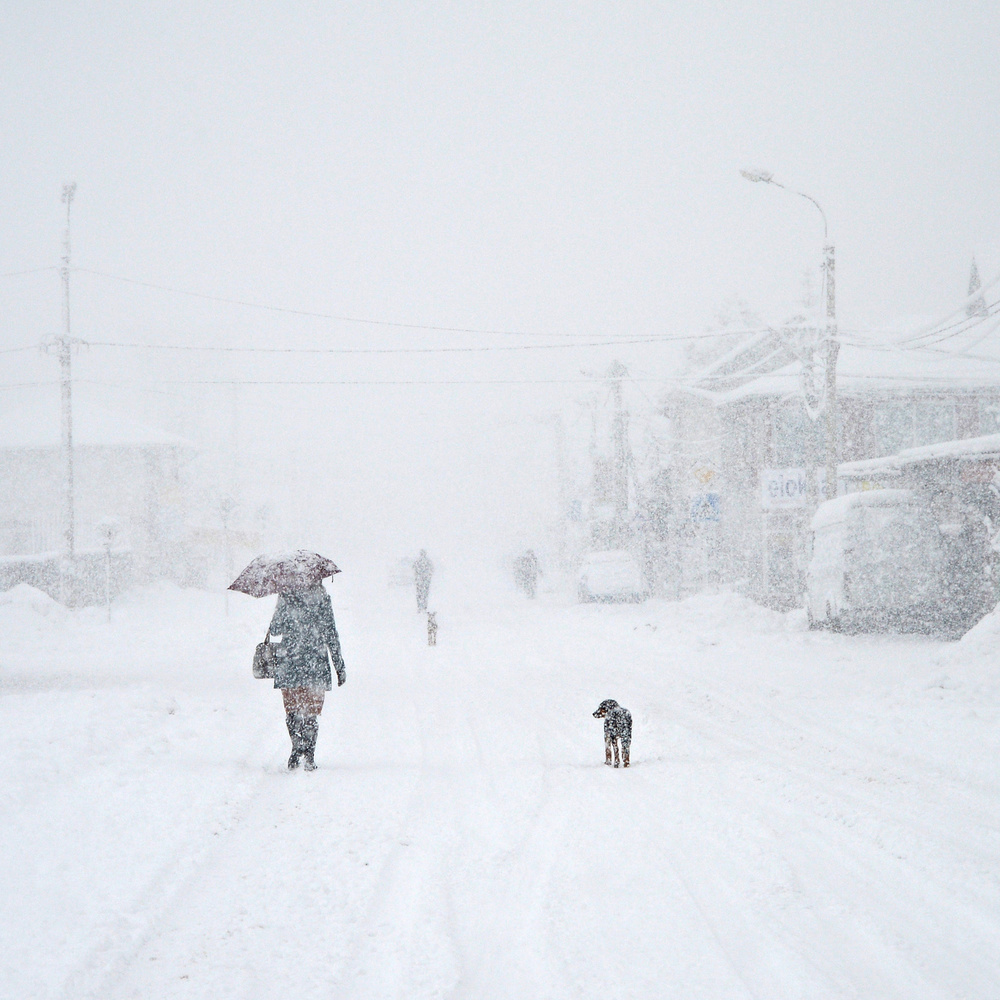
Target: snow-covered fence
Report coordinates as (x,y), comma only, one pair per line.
(82,582)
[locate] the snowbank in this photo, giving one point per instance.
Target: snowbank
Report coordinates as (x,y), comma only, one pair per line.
(983,638)
(462,834)
(25,599)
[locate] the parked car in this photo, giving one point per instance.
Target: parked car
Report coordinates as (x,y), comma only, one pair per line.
(610,576)
(881,561)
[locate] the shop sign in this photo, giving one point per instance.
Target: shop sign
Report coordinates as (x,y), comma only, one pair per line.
(786,488)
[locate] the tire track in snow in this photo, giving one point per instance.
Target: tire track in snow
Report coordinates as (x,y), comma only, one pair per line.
(507,941)
(831,739)
(107,961)
(796,782)
(525,916)
(274,912)
(624,840)
(445,878)
(383,962)
(844,783)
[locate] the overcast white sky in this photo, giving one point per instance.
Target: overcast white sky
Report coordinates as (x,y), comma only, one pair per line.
(558,168)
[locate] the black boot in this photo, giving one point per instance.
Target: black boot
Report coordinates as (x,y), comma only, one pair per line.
(310,730)
(294,724)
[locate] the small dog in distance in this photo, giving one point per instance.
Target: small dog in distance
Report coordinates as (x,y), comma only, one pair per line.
(432,628)
(617,730)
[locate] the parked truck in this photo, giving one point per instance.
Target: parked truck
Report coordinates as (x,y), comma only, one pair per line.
(881,561)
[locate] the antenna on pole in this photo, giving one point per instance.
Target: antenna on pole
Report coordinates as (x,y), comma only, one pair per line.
(978,306)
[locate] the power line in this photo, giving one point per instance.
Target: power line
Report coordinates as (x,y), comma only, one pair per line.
(941,330)
(650,339)
(382,350)
(931,332)
(665,381)
(304,382)
(928,344)
(958,355)
(308,313)
(922,340)
(625,339)
(932,328)
(957,329)
(30,270)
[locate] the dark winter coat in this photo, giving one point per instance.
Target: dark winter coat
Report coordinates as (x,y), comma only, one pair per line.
(304,620)
(526,568)
(423,569)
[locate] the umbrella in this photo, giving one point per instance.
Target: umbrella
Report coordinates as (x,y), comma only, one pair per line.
(273,574)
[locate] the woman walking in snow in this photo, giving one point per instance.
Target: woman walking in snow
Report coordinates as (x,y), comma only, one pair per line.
(304,620)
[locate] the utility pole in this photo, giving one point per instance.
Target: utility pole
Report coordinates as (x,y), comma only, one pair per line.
(832,343)
(832,351)
(562,487)
(621,462)
(66,383)
(615,374)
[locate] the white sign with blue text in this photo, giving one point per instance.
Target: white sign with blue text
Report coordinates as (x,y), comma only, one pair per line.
(786,488)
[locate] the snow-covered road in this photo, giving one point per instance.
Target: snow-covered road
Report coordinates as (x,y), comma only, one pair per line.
(808,815)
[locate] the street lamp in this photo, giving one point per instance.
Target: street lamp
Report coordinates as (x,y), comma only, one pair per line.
(108,529)
(832,343)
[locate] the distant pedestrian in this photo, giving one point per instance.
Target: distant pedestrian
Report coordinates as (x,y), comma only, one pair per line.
(423,570)
(304,620)
(526,572)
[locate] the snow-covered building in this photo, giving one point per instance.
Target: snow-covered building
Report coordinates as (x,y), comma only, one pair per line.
(126,475)
(743,436)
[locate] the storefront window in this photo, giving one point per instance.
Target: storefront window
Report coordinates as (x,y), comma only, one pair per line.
(790,434)
(892,426)
(934,421)
(989,416)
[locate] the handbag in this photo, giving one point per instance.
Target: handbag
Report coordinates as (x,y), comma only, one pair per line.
(263,659)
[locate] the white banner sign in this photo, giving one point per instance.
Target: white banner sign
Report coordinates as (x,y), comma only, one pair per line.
(786,488)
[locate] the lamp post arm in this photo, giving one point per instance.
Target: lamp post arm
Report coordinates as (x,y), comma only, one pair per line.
(759,176)
(802,194)
(808,197)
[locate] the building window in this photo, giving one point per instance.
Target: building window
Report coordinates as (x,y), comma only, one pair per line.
(892,427)
(989,416)
(790,432)
(933,421)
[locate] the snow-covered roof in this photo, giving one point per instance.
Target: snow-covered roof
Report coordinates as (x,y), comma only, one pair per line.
(969,449)
(758,352)
(836,510)
(39,425)
(880,366)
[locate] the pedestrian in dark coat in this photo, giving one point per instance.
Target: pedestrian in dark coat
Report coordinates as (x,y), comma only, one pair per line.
(309,642)
(423,569)
(526,571)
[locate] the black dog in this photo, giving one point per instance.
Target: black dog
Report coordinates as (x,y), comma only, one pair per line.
(617,729)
